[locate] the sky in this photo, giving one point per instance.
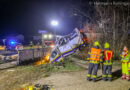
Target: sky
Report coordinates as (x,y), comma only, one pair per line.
(28,16)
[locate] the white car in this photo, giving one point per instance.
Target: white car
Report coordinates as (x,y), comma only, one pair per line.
(19,47)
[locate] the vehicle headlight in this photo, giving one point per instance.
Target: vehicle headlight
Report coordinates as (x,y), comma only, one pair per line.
(50,36)
(45,36)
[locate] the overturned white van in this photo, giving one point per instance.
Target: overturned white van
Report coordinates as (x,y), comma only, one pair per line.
(66,45)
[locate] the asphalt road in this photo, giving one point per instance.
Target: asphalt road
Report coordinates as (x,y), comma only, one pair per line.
(8,53)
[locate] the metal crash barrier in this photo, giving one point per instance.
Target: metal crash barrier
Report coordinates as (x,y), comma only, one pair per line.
(29,55)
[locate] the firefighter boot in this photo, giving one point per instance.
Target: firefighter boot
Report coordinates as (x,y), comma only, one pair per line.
(104,78)
(127,78)
(123,76)
(88,78)
(109,78)
(94,79)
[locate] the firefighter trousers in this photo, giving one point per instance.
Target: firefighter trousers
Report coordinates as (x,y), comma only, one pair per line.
(129,67)
(125,69)
(92,67)
(104,72)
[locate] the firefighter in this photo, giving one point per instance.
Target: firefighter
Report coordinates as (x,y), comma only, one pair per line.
(94,58)
(125,59)
(107,62)
(31,44)
(129,67)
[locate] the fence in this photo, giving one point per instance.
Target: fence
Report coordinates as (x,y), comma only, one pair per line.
(26,56)
(8,56)
(29,55)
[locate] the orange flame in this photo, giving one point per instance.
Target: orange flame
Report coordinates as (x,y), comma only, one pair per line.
(45,60)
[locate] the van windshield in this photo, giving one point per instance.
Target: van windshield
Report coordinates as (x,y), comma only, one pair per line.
(54,53)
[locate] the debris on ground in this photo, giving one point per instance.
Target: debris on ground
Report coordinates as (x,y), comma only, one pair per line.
(29,86)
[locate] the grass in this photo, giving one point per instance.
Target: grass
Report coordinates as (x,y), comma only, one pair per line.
(13,78)
(20,75)
(84,61)
(66,66)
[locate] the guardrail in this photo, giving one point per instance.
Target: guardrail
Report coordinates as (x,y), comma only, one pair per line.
(34,47)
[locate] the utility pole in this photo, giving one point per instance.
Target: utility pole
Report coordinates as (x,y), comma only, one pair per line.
(42,45)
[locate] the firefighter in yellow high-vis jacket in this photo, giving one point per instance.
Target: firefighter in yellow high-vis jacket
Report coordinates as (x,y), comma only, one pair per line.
(94,58)
(107,62)
(125,59)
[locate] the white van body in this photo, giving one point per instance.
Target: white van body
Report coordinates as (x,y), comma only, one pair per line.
(66,45)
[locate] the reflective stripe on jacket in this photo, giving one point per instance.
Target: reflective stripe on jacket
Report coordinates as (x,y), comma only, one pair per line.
(95,54)
(108,55)
(129,67)
(125,59)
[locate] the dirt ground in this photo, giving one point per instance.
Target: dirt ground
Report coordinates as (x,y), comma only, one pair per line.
(60,80)
(77,81)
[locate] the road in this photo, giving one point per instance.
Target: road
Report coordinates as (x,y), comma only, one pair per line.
(8,53)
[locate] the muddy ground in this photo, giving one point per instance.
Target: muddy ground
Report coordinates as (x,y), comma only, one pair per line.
(77,81)
(70,78)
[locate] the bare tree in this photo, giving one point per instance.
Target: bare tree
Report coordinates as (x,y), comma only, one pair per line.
(115,28)
(111,21)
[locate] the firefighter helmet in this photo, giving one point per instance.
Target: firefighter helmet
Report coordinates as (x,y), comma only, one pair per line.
(106,45)
(96,43)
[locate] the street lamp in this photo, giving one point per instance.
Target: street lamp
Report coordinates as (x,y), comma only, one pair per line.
(54,23)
